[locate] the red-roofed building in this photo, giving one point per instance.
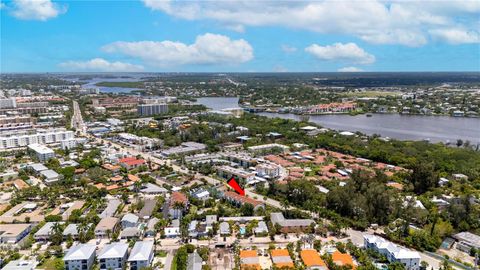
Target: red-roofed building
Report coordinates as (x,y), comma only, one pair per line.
(176,200)
(131,162)
(241,200)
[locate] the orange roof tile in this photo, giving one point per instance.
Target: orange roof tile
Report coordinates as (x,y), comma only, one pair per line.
(342,259)
(133,178)
(310,257)
(248,253)
(279,252)
(116,178)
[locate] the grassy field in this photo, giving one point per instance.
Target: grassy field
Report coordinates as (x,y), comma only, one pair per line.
(121,84)
(51,264)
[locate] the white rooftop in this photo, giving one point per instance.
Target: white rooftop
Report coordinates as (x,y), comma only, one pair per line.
(40,148)
(113,250)
(80,252)
(141,251)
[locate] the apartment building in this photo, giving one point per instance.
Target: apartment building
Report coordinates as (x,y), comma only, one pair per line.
(141,255)
(41,152)
(39,136)
(152,109)
(394,253)
(113,256)
(80,257)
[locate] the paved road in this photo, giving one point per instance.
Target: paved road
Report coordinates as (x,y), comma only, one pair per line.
(169,259)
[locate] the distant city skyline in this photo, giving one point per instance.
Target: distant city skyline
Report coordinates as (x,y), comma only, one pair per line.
(239,36)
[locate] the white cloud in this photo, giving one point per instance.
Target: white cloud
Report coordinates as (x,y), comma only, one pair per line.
(456,35)
(348,52)
(375,21)
(288,48)
(350,69)
(207,49)
(100,64)
(41,10)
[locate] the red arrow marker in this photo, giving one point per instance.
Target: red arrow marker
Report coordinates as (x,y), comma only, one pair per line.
(233,183)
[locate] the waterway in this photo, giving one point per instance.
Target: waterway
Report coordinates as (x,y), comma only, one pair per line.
(402,127)
(104,89)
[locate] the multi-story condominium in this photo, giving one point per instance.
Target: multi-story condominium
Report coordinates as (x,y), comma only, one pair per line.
(33,104)
(228,172)
(41,152)
(80,257)
(6,103)
(152,109)
(40,136)
(113,256)
(141,255)
(394,253)
(20,119)
(268,170)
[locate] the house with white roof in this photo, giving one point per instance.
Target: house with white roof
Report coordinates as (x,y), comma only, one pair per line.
(261,228)
(141,255)
(129,220)
(44,233)
(224,228)
(50,176)
(80,256)
(173,230)
(20,265)
(394,253)
(113,256)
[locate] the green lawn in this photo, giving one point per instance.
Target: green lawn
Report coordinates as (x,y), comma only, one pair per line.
(52,264)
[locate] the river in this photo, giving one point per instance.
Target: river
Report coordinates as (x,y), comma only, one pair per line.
(402,127)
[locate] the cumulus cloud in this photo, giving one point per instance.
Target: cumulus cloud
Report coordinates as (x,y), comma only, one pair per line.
(100,64)
(348,52)
(40,10)
(350,69)
(208,49)
(288,48)
(456,35)
(375,21)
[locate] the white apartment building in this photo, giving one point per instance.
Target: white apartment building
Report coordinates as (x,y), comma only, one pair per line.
(394,253)
(268,169)
(41,152)
(44,136)
(68,144)
(80,257)
(141,255)
(7,103)
(113,256)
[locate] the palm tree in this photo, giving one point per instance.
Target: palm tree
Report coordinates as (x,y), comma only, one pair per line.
(56,233)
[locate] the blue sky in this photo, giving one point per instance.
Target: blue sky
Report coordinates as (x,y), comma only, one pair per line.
(263,36)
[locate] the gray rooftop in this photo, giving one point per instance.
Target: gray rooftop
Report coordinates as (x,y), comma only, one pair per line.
(278,218)
(130,218)
(46,229)
(111,208)
(194,261)
(49,174)
(147,210)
